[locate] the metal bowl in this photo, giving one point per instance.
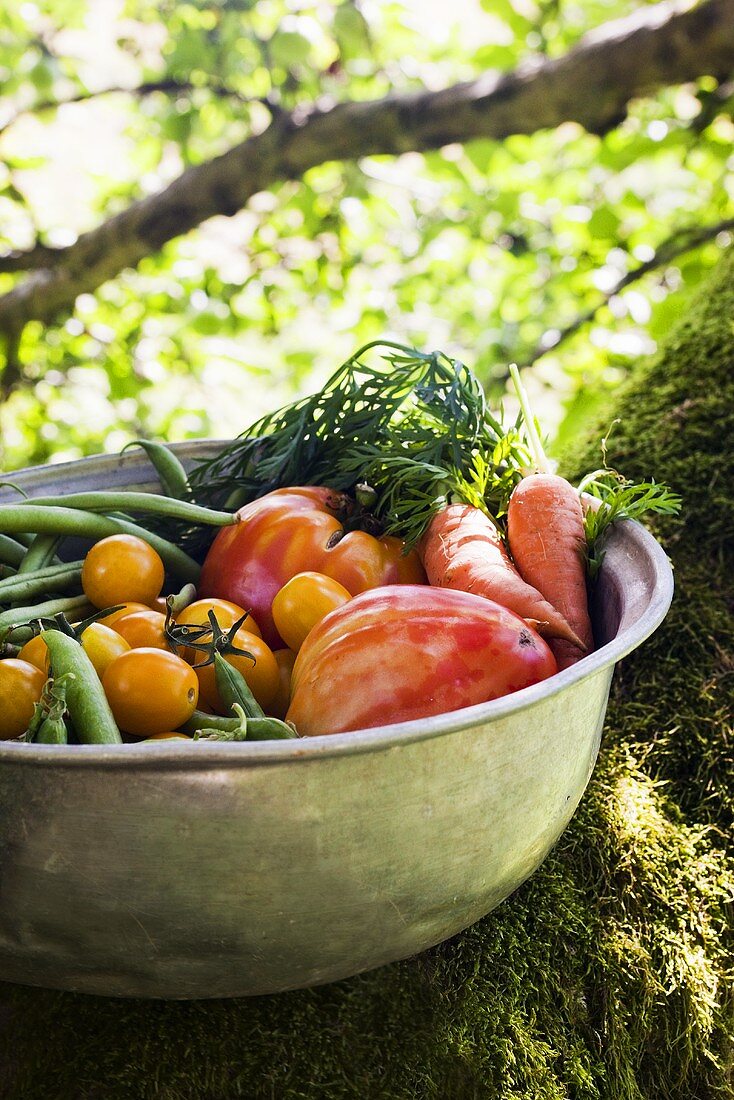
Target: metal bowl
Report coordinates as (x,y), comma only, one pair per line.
(219,870)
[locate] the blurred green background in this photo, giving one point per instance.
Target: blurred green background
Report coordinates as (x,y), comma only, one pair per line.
(487,251)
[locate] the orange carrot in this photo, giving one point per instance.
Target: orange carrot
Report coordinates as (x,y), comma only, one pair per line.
(545,532)
(462,549)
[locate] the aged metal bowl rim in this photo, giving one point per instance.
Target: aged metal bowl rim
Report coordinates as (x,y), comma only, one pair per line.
(217,755)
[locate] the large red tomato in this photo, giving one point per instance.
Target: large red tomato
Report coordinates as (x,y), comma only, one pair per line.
(292,531)
(408,652)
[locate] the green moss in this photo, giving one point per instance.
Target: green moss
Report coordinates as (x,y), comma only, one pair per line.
(608,975)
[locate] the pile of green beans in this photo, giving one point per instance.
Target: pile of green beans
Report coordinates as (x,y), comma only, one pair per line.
(36,585)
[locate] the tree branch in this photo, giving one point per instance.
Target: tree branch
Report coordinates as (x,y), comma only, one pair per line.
(12,372)
(684,240)
(592,85)
(167,84)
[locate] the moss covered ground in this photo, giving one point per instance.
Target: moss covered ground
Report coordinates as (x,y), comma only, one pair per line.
(608,974)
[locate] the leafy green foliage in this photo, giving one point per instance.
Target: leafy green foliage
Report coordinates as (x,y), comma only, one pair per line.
(414,428)
(486,251)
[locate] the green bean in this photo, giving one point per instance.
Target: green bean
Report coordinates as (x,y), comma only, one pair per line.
(47,725)
(19,616)
(241,728)
(39,554)
(53,731)
(233,688)
(53,578)
(89,710)
(6,571)
(137,502)
(12,552)
(199,719)
(71,521)
(171,473)
(269,729)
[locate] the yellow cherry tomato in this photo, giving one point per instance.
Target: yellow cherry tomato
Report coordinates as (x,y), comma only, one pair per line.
(303,602)
(143,628)
(128,608)
(150,691)
(262,675)
(285,659)
(21,684)
(122,568)
(226,613)
(35,652)
(100,642)
(102,645)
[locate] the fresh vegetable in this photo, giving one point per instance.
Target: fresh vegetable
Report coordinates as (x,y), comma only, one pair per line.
(21,685)
(302,602)
(292,531)
(284,659)
(413,428)
(196,614)
(120,569)
(87,703)
(39,554)
(130,501)
(22,587)
(143,629)
(393,460)
(171,473)
(150,691)
(256,665)
(102,645)
(59,520)
(462,549)
(395,654)
(244,727)
(545,525)
(126,608)
(545,530)
(15,620)
(51,727)
(12,552)
(99,642)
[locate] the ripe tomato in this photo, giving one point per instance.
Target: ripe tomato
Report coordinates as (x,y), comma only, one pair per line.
(302,602)
(262,677)
(127,608)
(21,684)
(407,652)
(122,568)
(35,652)
(143,628)
(226,613)
(292,531)
(150,691)
(284,659)
(101,644)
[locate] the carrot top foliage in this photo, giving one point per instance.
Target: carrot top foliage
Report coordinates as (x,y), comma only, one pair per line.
(416,428)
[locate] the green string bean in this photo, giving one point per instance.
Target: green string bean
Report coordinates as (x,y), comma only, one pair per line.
(171,473)
(72,521)
(53,578)
(12,551)
(16,617)
(137,502)
(40,553)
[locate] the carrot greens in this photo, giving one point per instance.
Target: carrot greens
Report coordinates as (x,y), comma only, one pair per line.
(415,428)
